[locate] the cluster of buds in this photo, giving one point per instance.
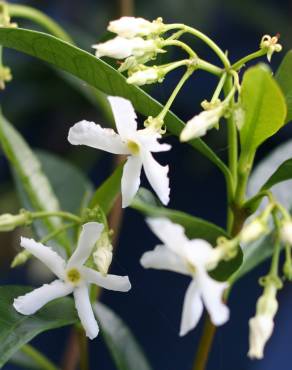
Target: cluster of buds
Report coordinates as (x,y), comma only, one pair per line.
(270,45)
(137,42)
(262,324)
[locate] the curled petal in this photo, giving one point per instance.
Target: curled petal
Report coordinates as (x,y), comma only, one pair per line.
(162,258)
(124,115)
(157,177)
(93,135)
(110,282)
(130,179)
(46,255)
(171,234)
(31,302)
(85,313)
(212,293)
(192,309)
(89,235)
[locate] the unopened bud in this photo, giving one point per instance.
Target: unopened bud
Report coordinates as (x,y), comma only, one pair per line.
(20,258)
(271,45)
(253,231)
(130,27)
(5,76)
(103,254)
(146,76)
(286,232)
(10,222)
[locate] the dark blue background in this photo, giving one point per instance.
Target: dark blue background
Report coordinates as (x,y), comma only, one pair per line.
(43,108)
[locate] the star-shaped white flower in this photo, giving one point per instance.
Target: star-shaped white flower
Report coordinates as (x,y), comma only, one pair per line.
(137,144)
(73,277)
(188,257)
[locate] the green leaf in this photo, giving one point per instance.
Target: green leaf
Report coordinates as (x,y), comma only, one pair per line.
(32,183)
(264,107)
(17,330)
(194,227)
(96,73)
(23,360)
(283,173)
(122,345)
(106,195)
(284,79)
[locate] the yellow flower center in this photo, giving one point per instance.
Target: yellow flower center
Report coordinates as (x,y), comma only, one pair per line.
(134,147)
(73,276)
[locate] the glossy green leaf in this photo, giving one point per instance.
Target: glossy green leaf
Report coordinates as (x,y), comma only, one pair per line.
(17,330)
(194,227)
(96,73)
(264,108)
(284,79)
(125,351)
(106,195)
(34,187)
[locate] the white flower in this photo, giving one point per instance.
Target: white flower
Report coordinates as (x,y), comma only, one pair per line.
(146,76)
(137,144)
(188,257)
(198,125)
(260,330)
(271,45)
(130,27)
(73,277)
(121,48)
(253,231)
(286,232)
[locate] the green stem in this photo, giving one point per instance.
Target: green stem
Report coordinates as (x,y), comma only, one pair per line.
(219,88)
(34,15)
(173,95)
(83,345)
(274,271)
(240,63)
(42,361)
(61,214)
(57,232)
(205,39)
(182,45)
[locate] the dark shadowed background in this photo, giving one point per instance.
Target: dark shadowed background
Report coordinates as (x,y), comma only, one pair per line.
(43,107)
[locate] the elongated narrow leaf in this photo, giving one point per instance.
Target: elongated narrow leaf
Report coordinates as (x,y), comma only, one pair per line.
(284,79)
(17,330)
(32,183)
(22,360)
(264,108)
(195,228)
(95,72)
(283,173)
(122,345)
(106,195)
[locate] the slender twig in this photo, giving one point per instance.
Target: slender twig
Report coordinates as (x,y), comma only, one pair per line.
(41,360)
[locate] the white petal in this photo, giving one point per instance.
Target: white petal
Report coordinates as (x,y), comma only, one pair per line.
(192,309)
(149,140)
(212,293)
(162,258)
(130,179)
(171,234)
(157,177)
(85,313)
(31,302)
(124,115)
(88,237)
(46,255)
(93,135)
(118,47)
(199,252)
(110,282)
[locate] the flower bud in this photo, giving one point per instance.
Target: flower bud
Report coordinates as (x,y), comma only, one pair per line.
(121,48)
(20,258)
(286,232)
(5,20)
(253,231)
(130,27)
(262,325)
(10,222)
(5,76)
(103,254)
(198,125)
(145,76)
(270,44)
